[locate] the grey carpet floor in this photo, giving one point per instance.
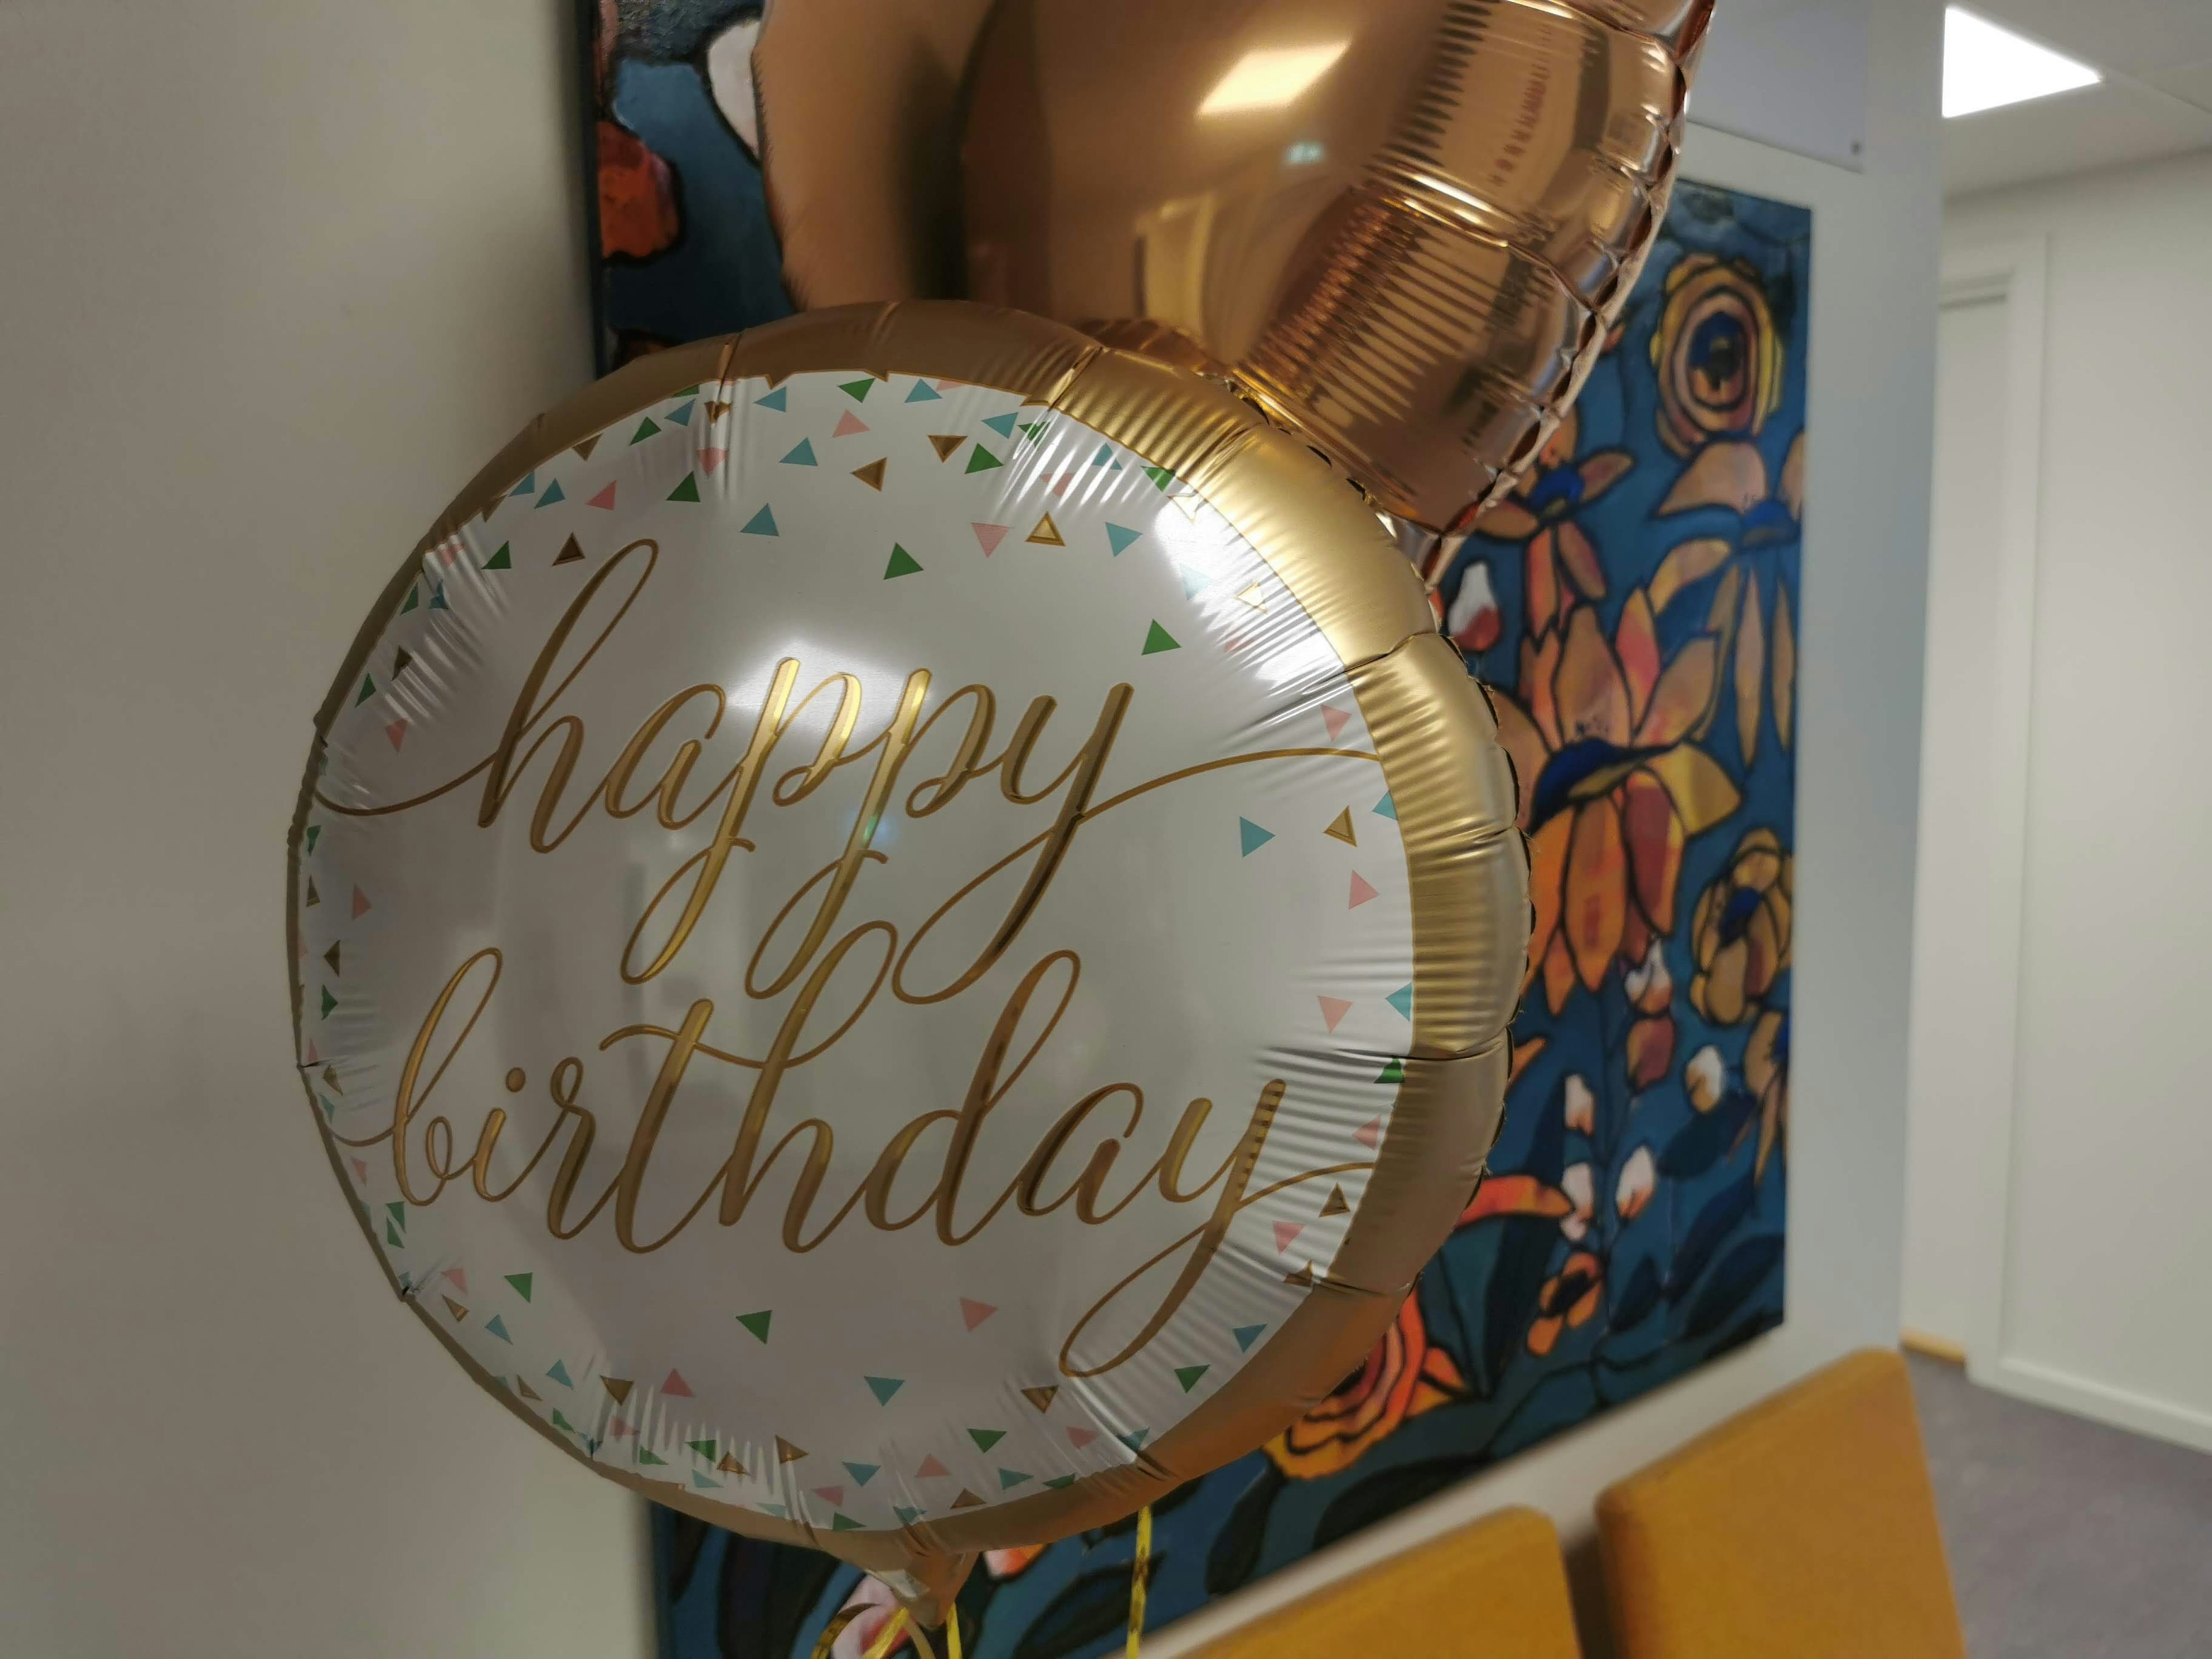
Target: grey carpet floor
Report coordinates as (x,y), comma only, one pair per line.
(2068,1540)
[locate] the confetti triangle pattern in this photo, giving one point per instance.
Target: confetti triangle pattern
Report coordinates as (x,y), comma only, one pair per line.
(757,1323)
(884,1388)
(988,536)
(1250,839)
(1121,538)
(981,459)
(872,474)
(946,444)
(1337,1203)
(1341,828)
(973,1313)
(923,392)
(1041,1398)
(786,1452)
(847,424)
(762,523)
(901,564)
(1158,639)
(1047,533)
(801,453)
(572,552)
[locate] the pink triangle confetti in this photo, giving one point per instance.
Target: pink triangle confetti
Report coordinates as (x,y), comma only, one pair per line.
(360,1171)
(1370,1133)
(944,386)
(975,1313)
(359,909)
(1286,1234)
(313,1058)
(931,1468)
(847,424)
(1081,1437)
(1333,1009)
(1361,891)
(1336,720)
(1060,484)
(619,1430)
(676,1385)
(459,1278)
(710,460)
(605,498)
(832,1495)
(988,536)
(397,731)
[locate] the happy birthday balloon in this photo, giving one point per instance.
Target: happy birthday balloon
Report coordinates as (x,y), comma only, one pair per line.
(1402,228)
(905,932)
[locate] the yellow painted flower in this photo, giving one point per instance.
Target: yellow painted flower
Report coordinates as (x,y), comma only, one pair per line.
(1740,932)
(1719,355)
(1766,1071)
(1562,560)
(1611,787)
(1570,1298)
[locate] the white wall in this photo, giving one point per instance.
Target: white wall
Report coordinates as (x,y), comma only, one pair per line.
(275,277)
(2105,1258)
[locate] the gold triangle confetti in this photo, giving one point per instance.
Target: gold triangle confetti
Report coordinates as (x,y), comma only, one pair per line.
(526,1390)
(716,411)
(1190,503)
(946,444)
(455,1309)
(619,1387)
(872,474)
(1341,828)
(584,453)
(786,1452)
(1041,1398)
(571,551)
(1253,597)
(1047,533)
(331,956)
(399,662)
(1304,1277)
(729,1465)
(1337,1205)
(967,1500)
(331,1073)
(313,897)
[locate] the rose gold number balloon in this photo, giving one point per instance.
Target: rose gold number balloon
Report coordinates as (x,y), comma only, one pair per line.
(1402,228)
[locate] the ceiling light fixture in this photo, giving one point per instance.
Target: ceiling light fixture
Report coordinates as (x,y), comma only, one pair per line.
(1270,78)
(1986,67)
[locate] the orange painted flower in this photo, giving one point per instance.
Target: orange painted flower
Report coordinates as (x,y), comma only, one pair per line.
(1402,1376)
(1740,932)
(1611,787)
(637,196)
(1562,562)
(1717,352)
(1011,1563)
(1570,1298)
(1766,1070)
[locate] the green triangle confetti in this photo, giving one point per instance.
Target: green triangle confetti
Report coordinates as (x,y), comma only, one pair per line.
(330,1106)
(552,495)
(1121,538)
(499,561)
(843,1523)
(884,1388)
(392,1235)
(646,428)
(645,1456)
(802,454)
(1252,836)
(706,1448)
(368,691)
(863,1472)
(329,1002)
(1159,640)
(1009,1479)
(924,392)
(1394,1073)
(686,491)
(762,523)
(774,399)
(757,1322)
(397,1210)
(907,1516)
(902,564)
(560,1373)
(1246,1335)
(981,459)
(1188,1376)
(1033,432)
(1386,807)
(1060,1480)
(1402,1000)
(685,392)
(497,1327)
(858,391)
(560,1422)
(1004,424)
(414,599)
(521,1283)
(985,1439)
(1161,479)
(314,831)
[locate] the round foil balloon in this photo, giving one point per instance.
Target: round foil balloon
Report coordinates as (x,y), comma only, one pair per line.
(902,932)
(1402,227)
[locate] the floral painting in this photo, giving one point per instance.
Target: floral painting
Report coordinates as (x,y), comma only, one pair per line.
(1634,609)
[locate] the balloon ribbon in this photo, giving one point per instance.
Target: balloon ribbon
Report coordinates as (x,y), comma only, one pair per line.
(886,1639)
(1141,1567)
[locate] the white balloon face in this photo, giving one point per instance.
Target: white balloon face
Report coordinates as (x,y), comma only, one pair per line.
(855,948)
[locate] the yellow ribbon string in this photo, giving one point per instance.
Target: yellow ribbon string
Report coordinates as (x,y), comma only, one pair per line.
(953,1632)
(1140,1567)
(887,1639)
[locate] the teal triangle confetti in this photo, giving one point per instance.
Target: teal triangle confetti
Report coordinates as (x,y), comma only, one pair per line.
(330,1107)
(863,1472)
(985,1439)
(1105,455)
(907,1516)
(686,491)
(1402,1000)
(802,454)
(1246,1335)
(924,392)
(646,428)
(1188,1376)
(497,1327)
(858,391)
(1134,1440)
(1004,424)
(884,1388)
(774,399)
(438,598)
(981,459)
(528,486)
(703,1484)
(314,832)
(560,1373)
(1386,807)
(1121,538)
(552,495)
(1393,1072)
(1009,1479)
(1194,582)
(521,1283)
(1252,836)
(1159,640)
(762,523)
(776,1509)
(681,415)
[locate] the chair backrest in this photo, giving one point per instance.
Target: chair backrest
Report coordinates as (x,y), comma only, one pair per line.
(1804,1527)
(1497,1589)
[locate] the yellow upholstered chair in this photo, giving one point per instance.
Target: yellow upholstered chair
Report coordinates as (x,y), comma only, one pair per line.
(1497,1589)
(1804,1528)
